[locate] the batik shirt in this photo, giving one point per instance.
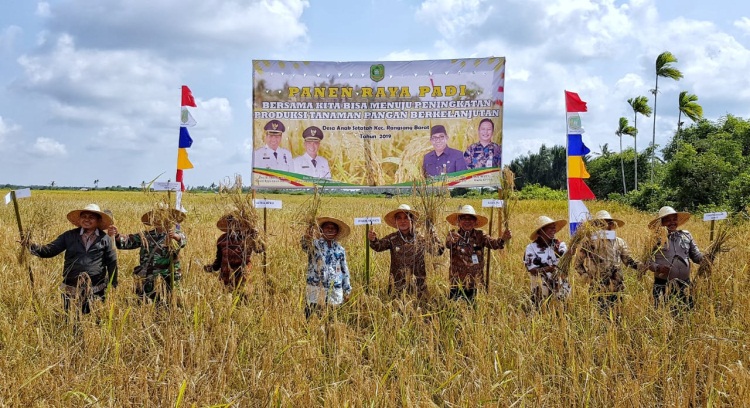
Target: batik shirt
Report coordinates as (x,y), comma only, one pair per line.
(545,284)
(477,156)
(327,271)
(677,253)
(603,260)
(407,258)
(233,252)
(156,254)
(467,258)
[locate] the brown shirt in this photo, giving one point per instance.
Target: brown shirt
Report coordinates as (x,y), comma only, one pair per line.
(407,257)
(603,260)
(464,271)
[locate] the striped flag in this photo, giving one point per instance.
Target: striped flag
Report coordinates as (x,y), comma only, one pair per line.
(576,150)
(185,141)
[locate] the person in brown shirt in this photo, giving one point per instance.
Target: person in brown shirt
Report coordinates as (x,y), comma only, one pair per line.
(234,249)
(407,251)
(466,247)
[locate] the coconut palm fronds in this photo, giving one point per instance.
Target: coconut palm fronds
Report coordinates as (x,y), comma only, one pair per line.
(719,245)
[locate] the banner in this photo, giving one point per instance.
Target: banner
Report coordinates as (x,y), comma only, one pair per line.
(379,124)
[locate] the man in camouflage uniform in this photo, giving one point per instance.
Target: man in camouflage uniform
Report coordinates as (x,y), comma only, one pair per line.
(600,261)
(160,251)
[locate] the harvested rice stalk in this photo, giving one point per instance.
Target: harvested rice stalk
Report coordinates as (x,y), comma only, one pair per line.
(652,244)
(507,188)
(430,201)
(581,238)
(723,234)
(308,214)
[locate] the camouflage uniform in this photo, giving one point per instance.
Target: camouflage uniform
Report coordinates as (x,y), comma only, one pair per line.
(157,259)
(233,252)
(465,275)
(407,259)
(602,260)
(676,253)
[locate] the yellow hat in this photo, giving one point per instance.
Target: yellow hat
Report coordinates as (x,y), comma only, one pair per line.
(104,223)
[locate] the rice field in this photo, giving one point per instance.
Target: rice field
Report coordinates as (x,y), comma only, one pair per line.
(213,348)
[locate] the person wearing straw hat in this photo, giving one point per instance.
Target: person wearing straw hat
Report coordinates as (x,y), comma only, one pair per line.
(234,249)
(466,247)
(600,260)
(407,249)
(159,250)
(90,257)
(541,258)
(671,260)
(328,281)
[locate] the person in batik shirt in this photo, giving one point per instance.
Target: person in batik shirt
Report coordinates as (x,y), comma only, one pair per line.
(327,272)
(466,247)
(485,152)
(541,259)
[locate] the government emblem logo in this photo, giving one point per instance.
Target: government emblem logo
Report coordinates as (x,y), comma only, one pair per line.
(377,72)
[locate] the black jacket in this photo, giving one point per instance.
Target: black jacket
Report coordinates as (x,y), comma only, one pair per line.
(100,261)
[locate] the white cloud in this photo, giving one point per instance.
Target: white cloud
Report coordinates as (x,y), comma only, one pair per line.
(8,37)
(743,24)
(43,9)
(455,17)
(49,147)
(405,55)
(182,27)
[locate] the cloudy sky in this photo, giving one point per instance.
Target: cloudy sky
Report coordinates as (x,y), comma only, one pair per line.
(90,89)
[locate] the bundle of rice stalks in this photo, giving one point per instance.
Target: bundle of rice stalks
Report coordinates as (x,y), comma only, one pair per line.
(507,188)
(308,213)
(242,209)
(723,234)
(581,238)
(652,244)
(430,201)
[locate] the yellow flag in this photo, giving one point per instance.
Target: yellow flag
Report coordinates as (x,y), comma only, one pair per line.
(576,167)
(183,163)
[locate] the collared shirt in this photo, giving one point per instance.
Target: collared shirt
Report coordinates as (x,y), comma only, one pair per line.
(407,257)
(603,260)
(99,261)
(267,158)
(477,156)
(467,258)
(546,283)
(89,239)
(304,165)
(327,272)
(450,161)
(677,254)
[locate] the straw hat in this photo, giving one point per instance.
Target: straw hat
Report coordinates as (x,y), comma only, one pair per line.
(682,217)
(603,215)
(161,214)
(238,222)
(466,210)
(390,218)
(544,221)
(74,216)
(343,228)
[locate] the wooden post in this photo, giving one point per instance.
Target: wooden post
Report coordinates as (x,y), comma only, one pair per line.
(367,258)
(20,233)
(489,254)
(713,223)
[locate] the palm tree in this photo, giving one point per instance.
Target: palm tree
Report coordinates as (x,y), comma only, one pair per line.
(689,106)
(624,129)
(639,105)
(663,69)
(96,184)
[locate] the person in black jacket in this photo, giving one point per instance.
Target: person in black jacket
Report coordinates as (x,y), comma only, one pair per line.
(90,257)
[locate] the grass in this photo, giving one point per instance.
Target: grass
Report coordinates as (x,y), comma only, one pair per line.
(215,350)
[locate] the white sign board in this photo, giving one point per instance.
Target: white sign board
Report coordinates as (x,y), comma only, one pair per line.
(260,203)
(166,186)
(367,221)
(22,193)
(715,216)
(488,202)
